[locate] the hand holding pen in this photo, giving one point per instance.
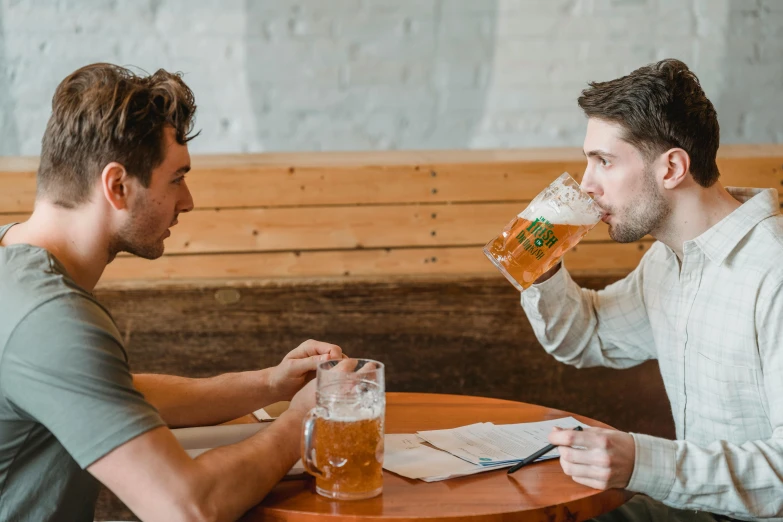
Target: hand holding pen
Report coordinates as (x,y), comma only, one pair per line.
(596,457)
(540,453)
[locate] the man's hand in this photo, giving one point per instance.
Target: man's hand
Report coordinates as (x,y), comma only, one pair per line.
(606,461)
(299,366)
(304,400)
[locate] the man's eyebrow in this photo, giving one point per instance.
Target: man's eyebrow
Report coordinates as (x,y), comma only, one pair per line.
(598,152)
(182,170)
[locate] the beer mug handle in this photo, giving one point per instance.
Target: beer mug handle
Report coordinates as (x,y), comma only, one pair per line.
(307,443)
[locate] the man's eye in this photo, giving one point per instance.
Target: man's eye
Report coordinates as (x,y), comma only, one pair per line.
(179,180)
(603,162)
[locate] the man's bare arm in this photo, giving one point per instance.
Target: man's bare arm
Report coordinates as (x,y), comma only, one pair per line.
(200,402)
(158,481)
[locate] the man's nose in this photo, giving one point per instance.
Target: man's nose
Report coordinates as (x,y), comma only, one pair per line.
(588,182)
(186,204)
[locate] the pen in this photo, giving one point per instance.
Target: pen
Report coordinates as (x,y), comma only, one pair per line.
(543,451)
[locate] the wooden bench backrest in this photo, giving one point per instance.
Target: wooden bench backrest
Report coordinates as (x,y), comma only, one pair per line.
(367,213)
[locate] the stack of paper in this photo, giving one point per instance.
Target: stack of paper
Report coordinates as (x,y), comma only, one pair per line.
(407,455)
(468,449)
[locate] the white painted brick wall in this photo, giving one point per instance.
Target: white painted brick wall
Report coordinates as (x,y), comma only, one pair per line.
(380,74)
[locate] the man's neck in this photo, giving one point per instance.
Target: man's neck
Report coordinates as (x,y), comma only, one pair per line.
(77,239)
(694,211)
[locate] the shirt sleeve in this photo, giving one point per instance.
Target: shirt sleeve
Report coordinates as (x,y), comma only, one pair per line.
(65,367)
(586,328)
(739,480)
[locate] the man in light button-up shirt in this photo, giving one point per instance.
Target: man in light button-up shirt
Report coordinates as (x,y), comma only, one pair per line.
(706,301)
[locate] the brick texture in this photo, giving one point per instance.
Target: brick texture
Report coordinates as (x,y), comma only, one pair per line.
(393,74)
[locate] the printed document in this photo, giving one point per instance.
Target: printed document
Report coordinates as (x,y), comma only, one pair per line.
(488,444)
(406,455)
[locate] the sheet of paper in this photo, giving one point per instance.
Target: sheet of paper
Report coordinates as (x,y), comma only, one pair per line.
(196,441)
(404,454)
(271,412)
(213,436)
(533,435)
(490,444)
(475,443)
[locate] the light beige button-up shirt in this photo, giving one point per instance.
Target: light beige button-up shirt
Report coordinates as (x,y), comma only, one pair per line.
(715,324)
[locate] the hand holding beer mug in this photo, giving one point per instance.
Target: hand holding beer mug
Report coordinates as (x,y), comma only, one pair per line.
(343,434)
(534,241)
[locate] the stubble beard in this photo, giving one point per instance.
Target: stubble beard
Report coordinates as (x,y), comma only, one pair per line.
(645,214)
(135,237)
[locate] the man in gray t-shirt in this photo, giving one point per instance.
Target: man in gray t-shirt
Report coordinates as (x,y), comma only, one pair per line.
(112,179)
(66,392)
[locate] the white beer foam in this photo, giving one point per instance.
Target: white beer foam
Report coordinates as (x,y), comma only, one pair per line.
(369,406)
(353,415)
(563,215)
(332,418)
(563,206)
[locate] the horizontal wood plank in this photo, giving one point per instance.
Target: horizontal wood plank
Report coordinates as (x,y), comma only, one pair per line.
(403,157)
(389,177)
(331,228)
(585,258)
(468,182)
(17,191)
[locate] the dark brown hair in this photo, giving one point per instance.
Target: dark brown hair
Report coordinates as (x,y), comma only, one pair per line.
(103,113)
(660,106)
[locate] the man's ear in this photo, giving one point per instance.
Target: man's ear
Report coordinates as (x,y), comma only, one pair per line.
(116,186)
(678,166)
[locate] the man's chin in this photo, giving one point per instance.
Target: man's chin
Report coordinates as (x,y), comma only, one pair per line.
(144,250)
(151,252)
(152,255)
(623,236)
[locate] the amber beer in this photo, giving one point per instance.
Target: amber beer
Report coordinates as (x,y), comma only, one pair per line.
(532,248)
(349,454)
(533,242)
(342,445)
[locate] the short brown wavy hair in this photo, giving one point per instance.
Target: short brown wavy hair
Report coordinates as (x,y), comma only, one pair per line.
(660,106)
(103,113)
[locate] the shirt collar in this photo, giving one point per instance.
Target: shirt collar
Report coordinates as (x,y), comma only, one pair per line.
(721,239)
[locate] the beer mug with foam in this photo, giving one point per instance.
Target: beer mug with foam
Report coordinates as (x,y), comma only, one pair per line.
(535,240)
(343,434)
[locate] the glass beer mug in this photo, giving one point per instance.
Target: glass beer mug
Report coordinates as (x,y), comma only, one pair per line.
(343,434)
(534,241)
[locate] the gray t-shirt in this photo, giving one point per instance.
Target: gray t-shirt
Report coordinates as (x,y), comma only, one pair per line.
(66,391)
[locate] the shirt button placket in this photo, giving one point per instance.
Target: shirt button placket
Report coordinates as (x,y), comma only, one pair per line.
(689,284)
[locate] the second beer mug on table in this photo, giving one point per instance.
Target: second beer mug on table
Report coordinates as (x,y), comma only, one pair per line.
(343,434)
(533,242)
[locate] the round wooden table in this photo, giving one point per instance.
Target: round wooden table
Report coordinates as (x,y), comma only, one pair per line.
(538,492)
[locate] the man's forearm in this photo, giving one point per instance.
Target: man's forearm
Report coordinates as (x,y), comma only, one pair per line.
(586,328)
(199,402)
(155,478)
(242,474)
